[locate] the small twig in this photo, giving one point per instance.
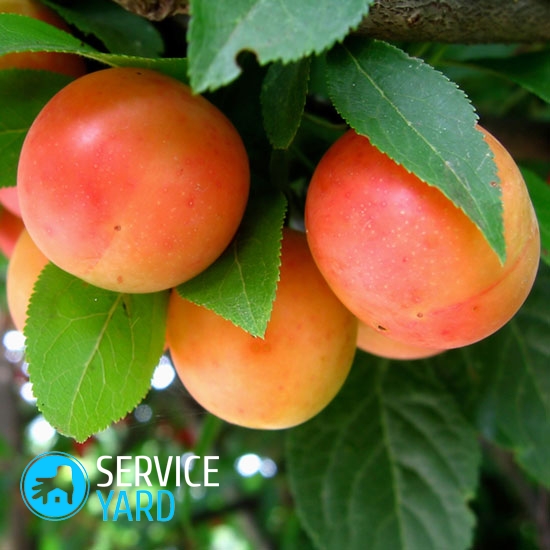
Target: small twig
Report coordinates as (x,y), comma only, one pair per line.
(155,10)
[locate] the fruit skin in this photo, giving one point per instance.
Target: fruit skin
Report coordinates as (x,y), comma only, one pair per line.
(24,267)
(11,227)
(281,380)
(10,200)
(130,182)
(405,260)
(376,343)
(69,64)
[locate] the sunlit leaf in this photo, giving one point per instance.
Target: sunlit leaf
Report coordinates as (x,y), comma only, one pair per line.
(240,286)
(91,352)
(25,34)
(274,30)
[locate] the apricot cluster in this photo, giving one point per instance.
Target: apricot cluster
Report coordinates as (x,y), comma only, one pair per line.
(132,183)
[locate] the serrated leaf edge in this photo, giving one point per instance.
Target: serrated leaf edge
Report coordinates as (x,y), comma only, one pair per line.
(489,157)
(208,83)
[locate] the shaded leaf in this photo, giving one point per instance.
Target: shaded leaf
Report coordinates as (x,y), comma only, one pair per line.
(283,98)
(120,31)
(420,119)
(274,30)
(23,93)
(389,464)
(513,408)
(530,70)
(503,382)
(240,286)
(91,352)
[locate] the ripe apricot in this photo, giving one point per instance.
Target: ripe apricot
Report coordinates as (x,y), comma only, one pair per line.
(376,343)
(24,267)
(283,379)
(405,259)
(69,64)
(131,182)
(10,229)
(10,200)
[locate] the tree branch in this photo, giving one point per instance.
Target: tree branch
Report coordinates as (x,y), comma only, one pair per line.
(155,10)
(459,21)
(452,21)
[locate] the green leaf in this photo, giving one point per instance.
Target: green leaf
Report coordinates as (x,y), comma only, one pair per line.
(19,33)
(389,464)
(539,192)
(274,30)
(120,31)
(23,93)
(513,403)
(24,34)
(91,352)
(174,67)
(503,383)
(530,70)
(283,98)
(420,119)
(240,286)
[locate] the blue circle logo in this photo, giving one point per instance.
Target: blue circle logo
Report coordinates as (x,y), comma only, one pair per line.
(55,486)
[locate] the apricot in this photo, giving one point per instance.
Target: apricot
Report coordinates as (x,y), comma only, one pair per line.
(10,200)
(69,64)
(11,227)
(376,343)
(283,379)
(404,259)
(24,268)
(131,182)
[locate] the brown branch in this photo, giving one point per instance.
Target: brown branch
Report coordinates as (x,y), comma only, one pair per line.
(452,21)
(459,21)
(155,10)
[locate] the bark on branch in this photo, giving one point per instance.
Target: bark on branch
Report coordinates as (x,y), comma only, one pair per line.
(453,21)
(459,21)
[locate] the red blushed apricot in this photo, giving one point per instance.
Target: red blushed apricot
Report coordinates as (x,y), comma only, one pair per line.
(24,267)
(11,227)
(377,343)
(71,65)
(10,200)
(283,379)
(131,182)
(408,262)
